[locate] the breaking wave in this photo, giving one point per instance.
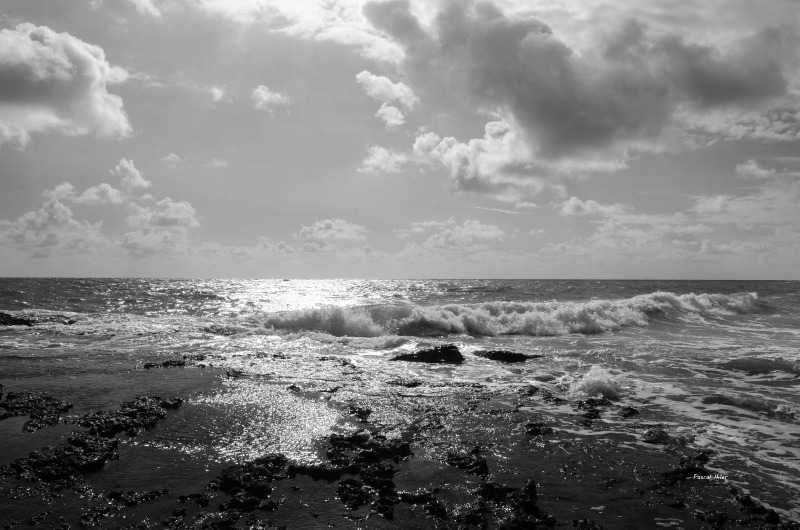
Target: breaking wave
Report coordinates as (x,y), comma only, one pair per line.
(509,318)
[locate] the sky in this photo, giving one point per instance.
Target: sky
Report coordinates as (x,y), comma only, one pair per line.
(401,138)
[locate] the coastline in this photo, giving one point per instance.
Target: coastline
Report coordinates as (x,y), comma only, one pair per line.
(411,454)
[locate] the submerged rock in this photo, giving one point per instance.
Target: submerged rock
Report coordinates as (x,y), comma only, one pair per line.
(445,354)
(505,356)
(472,463)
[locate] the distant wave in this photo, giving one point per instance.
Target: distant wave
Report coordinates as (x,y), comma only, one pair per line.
(508,318)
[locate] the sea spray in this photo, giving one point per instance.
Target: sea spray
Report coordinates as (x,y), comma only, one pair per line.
(596,381)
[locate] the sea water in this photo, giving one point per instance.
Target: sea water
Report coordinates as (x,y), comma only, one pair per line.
(717,362)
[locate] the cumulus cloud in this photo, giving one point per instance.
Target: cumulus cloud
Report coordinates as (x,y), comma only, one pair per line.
(469,237)
(382,89)
(130,178)
(146,7)
(391,116)
(751,170)
(573,207)
(381,160)
(216,93)
(56,82)
(269,101)
(172,160)
(322,235)
(166,213)
(52,229)
(627,90)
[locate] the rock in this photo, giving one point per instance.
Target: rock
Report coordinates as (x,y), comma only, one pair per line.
(627,412)
(472,463)
(538,429)
(656,436)
(132,498)
(446,354)
(43,410)
(353,494)
(505,356)
(142,413)
(166,364)
(361,413)
(252,477)
(11,320)
(82,453)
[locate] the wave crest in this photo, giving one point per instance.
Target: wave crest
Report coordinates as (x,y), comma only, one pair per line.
(508,318)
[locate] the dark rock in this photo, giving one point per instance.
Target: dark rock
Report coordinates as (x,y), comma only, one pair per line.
(43,410)
(318,472)
(418,497)
(656,436)
(166,364)
(530,390)
(552,398)
(627,412)
(408,383)
(361,413)
(592,403)
(445,354)
(772,517)
(538,429)
(142,413)
(11,320)
(132,498)
(353,494)
(253,477)
(242,500)
(472,463)
(505,356)
(82,453)
(591,414)
(713,518)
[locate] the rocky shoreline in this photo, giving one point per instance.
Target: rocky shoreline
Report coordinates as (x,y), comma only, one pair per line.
(479,459)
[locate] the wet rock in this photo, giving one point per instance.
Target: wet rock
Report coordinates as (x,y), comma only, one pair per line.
(408,383)
(82,453)
(593,403)
(11,320)
(538,429)
(656,436)
(627,412)
(242,500)
(505,356)
(252,477)
(714,518)
(353,494)
(43,410)
(422,496)
(132,497)
(171,363)
(472,463)
(142,413)
(361,413)
(530,390)
(445,354)
(319,472)
(551,398)
(586,524)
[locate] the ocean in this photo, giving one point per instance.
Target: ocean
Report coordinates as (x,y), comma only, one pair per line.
(279,365)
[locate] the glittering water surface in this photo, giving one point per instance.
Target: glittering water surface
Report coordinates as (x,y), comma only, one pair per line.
(715,361)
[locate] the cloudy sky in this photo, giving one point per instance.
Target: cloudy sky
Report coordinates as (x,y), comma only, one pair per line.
(401,138)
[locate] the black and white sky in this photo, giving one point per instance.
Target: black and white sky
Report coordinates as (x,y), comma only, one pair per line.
(400,138)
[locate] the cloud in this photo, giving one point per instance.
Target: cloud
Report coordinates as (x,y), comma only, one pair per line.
(381,160)
(146,7)
(391,116)
(627,89)
(751,170)
(130,179)
(265,99)
(218,163)
(382,89)
(52,229)
(56,82)
(321,236)
(148,242)
(165,214)
(173,160)
(471,236)
(217,94)
(573,207)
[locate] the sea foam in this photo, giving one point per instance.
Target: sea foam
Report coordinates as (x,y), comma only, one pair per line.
(507,318)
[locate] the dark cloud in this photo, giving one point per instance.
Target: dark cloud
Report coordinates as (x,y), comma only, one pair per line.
(625,92)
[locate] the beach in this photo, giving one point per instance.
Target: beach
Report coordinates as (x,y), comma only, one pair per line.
(399,404)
